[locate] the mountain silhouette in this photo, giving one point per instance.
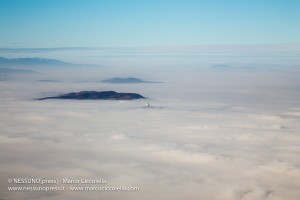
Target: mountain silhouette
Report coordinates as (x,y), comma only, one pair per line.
(94,95)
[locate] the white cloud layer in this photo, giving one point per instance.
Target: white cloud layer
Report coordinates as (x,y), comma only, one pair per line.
(234,138)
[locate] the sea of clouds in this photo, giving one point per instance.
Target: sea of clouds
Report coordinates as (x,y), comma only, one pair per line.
(212,135)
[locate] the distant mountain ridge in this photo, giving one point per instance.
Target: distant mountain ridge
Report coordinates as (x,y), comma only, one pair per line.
(16,71)
(94,95)
(34,62)
(230,68)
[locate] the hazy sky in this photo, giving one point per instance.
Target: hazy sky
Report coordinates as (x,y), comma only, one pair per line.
(61,23)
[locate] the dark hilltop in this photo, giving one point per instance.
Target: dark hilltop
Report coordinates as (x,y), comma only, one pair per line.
(94,95)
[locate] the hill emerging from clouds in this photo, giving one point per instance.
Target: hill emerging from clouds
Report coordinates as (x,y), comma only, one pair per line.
(119,80)
(94,95)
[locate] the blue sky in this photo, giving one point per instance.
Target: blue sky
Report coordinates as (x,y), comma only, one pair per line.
(97,23)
